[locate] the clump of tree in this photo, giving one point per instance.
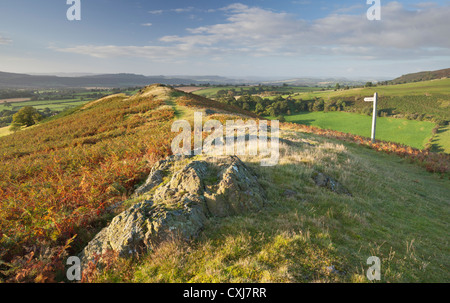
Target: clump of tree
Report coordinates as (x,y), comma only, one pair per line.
(26,116)
(279,106)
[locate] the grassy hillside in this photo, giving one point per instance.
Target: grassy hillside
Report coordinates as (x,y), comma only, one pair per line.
(429,98)
(423,76)
(62,180)
(397,212)
(438,87)
(59,178)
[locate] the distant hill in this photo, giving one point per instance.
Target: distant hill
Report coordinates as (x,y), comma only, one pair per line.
(74,80)
(422,76)
(14,80)
(71,80)
(319,82)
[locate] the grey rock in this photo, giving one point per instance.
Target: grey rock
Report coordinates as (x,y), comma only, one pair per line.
(323,180)
(159,170)
(333,270)
(185,191)
(236,190)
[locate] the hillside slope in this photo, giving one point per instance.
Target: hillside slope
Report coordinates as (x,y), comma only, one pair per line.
(59,178)
(422,76)
(308,233)
(427,98)
(63,181)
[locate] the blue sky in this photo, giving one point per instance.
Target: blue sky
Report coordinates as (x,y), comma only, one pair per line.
(266,38)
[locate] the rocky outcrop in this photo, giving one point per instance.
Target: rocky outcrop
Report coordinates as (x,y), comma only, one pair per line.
(323,180)
(182,193)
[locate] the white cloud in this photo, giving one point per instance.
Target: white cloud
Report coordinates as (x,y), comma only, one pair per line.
(156,12)
(257,32)
(4,40)
(146,24)
(183,10)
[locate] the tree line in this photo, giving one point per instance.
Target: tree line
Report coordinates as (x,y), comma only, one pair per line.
(280,106)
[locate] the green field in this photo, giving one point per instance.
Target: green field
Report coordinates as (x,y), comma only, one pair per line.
(55,105)
(409,132)
(78,98)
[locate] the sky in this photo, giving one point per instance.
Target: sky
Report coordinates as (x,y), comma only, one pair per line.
(259,38)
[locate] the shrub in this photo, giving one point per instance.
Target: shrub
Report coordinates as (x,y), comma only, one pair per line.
(27,116)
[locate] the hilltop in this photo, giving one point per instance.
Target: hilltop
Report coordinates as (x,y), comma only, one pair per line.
(66,179)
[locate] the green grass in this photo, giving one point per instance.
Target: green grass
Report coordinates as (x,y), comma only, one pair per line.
(397,212)
(409,132)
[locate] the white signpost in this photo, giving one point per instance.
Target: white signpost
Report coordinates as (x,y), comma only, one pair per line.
(374,118)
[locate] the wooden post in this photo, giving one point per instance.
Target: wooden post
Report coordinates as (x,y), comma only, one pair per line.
(374,117)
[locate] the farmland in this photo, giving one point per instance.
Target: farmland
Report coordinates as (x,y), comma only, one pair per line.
(428,98)
(58,100)
(213,92)
(55,105)
(409,132)
(423,110)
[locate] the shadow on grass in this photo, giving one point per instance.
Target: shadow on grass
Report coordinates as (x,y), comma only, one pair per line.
(435,146)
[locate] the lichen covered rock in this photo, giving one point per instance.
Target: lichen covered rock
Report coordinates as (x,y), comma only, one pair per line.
(183,192)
